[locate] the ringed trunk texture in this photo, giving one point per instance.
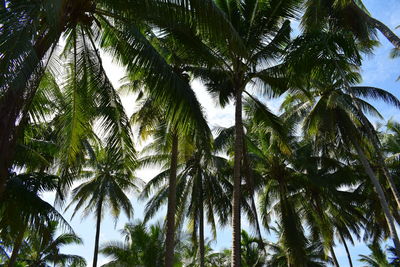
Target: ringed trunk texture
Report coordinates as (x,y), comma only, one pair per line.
(346,248)
(201,230)
(97,238)
(237,179)
(381,196)
(17,246)
(170,233)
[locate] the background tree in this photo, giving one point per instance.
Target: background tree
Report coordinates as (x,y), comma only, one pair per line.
(108,177)
(43,249)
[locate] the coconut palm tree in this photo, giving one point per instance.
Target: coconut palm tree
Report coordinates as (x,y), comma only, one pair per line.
(43,249)
(314,252)
(391,142)
(106,180)
(338,121)
(170,145)
(328,208)
(31,31)
(23,201)
(263,28)
(143,246)
(202,194)
(333,93)
(251,247)
(153,119)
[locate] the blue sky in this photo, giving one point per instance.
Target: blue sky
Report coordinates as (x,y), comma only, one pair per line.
(378,70)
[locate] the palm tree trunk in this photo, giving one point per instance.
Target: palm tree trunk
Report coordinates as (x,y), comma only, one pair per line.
(335,260)
(385,30)
(346,248)
(16,248)
(170,233)
(97,238)
(378,150)
(201,230)
(374,139)
(236,255)
(381,195)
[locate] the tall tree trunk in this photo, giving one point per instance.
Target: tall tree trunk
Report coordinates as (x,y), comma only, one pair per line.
(372,135)
(385,30)
(16,248)
(201,230)
(237,179)
(378,149)
(97,238)
(335,260)
(346,248)
(381,195)
(170,234)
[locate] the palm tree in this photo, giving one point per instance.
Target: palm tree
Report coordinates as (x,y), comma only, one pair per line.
(263,28)
(279,196)
(201,192)
(152,119)
(143,246)
(348,14)
(328,208)
(391,143)
(41,249)
(31,32)
(331,106)
(251,247)
(23,200)
(108,177)
(377,258)
(314,253)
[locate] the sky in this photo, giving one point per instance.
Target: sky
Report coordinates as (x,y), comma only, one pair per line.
(378,70)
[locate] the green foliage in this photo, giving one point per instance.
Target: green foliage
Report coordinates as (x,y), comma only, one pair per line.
(300,167)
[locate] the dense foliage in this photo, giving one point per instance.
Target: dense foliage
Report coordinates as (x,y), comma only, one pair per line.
(316,175)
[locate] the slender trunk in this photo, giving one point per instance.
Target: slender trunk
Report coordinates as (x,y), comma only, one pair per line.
(378,150)
(374,139)
(201,230)
(335,261)
(97,238)
(236,255)
(381,196)
(170,234)
(346,248)
(385,30)
(16,248)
